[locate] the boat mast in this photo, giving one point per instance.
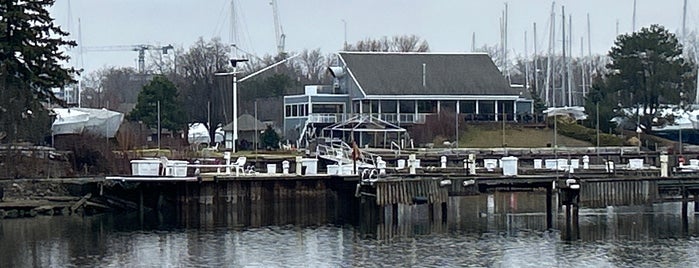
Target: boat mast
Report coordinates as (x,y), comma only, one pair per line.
(633,20)
(526,63)
(589,52)
(569,73)
(536,64)
(548,82)
(564,76)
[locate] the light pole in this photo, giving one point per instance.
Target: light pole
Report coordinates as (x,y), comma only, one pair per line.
(234,112)
(235,62)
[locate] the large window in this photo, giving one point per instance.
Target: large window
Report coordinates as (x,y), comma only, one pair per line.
(506,107)
(294,110)
(374,106)
(467,107)
(486,107)
(388,107)
(426,106)
(407,106)
(366,107)
(447,106)
(327,108)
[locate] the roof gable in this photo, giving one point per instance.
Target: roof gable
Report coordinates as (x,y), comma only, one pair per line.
(393,73)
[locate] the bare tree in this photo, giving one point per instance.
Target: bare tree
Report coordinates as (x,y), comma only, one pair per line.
(204,93)
(312,64)
(409,43)
(110,87)
(402,43)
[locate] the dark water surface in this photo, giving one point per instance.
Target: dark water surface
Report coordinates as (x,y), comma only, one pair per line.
(477,234)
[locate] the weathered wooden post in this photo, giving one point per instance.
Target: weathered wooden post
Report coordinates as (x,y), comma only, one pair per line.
(663,166)
(412,163)
(298,165)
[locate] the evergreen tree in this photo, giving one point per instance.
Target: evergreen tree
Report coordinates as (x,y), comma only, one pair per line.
(269,138)
(647,70)
(172,115)
(31,59)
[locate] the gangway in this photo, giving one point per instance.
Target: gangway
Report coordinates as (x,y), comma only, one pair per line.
(340,152)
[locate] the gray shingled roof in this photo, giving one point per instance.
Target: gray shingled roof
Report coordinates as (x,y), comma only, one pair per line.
(388,73)
(246,122)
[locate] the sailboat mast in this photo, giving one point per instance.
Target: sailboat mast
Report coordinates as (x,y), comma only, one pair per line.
(536,64)
(233,38)
(633,20)
(582,67)
(564,75)
(589,52)
(684,23)
(569,73)
(547,84)
(526,63)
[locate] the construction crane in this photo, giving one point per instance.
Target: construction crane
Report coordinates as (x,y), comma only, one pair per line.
(140,48)
(278,31)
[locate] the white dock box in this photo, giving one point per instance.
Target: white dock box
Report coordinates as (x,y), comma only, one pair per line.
(636,163)
(176,168)
(490,164)
(333,169)
(537,163)
(271,168)
(311,165)
(145,167)
(509,166)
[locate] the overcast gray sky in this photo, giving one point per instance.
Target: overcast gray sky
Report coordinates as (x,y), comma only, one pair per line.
(446,25)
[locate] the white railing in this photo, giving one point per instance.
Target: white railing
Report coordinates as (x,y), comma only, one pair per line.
(410,118)
(340,151)
(324,118)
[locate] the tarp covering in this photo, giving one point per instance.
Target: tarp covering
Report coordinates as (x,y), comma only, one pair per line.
(69,121)
(576,112)
(198,133)
(101,122)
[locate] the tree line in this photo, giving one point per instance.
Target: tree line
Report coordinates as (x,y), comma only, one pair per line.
(645,70)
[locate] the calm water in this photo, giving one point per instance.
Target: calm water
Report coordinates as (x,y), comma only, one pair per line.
(501,236)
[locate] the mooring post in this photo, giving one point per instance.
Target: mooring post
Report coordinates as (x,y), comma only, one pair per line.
(685,200)
(159,205)
(394,214)
(549,207)
(140,199)
(444,212)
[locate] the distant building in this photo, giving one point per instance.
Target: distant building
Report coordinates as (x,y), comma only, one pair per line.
(248,132)
(404,88)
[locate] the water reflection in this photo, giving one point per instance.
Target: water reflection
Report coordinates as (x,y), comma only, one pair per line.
(504,229)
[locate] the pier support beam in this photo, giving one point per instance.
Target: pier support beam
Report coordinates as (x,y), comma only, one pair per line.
(549,207)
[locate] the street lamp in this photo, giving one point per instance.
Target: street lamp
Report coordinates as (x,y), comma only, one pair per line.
(234,63)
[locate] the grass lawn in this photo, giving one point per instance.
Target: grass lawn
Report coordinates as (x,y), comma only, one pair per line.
(476,136)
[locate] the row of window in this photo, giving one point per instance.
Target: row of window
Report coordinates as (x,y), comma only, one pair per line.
(300,110)
(406,107)
(430,106)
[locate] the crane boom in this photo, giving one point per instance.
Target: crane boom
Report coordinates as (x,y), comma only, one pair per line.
(141,48)
(278,31)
